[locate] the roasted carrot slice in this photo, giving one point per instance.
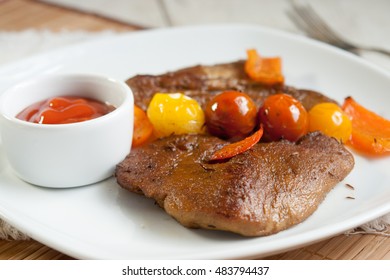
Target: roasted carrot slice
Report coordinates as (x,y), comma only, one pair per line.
(370,132)
(143,128)
(236,148)
(267,70)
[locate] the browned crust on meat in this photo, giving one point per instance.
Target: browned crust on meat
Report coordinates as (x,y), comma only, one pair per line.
(269,188)
(202,82)
(265,190)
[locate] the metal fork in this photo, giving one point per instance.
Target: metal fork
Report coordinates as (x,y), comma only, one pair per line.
(306,19)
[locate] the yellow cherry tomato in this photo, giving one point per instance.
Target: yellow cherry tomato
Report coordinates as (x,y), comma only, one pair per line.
(175,113)
(331,120)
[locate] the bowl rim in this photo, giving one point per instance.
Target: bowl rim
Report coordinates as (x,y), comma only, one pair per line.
(128,98)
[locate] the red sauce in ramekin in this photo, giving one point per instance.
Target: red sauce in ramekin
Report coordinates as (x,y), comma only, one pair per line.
(64,109)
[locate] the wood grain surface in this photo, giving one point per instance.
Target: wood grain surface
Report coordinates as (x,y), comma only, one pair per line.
(18,15)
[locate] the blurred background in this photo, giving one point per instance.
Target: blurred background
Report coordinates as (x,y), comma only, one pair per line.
(364,22)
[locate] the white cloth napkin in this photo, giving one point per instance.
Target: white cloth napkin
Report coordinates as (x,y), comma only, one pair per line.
(17,45)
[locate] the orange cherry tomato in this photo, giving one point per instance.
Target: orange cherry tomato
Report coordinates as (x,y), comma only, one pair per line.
(143,128)
(370,132)
(283,117)
(266,70)
(239,147)
(331,120)
(231,115)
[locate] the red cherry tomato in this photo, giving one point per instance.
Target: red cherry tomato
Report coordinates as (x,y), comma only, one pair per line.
(231,115)
(283,117)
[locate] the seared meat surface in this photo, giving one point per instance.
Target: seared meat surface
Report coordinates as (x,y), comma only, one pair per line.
(267,189)
(202,82)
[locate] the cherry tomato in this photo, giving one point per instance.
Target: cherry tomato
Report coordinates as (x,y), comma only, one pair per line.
(330,119)
(231,115)
(237,148)
(175,113)
(283,117)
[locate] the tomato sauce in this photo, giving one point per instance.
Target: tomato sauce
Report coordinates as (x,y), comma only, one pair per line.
(64,109)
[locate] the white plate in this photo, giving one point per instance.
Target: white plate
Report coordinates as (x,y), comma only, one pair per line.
(103,221)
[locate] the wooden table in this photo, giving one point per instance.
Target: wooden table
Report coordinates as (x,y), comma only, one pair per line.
(17,15)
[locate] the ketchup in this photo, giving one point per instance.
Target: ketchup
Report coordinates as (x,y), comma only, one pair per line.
(64,109)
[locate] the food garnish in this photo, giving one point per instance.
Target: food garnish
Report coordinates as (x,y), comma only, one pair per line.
(175,113)
(370,132)
(143,128)
(266,70)
(283,117)
(331,120)
(231,115)
(64,109)
(236,148)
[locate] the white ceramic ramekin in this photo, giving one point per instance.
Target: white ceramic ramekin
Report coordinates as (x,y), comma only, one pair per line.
(67,155)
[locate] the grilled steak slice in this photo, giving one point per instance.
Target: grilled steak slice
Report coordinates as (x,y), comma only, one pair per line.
(202,82)
(267,189)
